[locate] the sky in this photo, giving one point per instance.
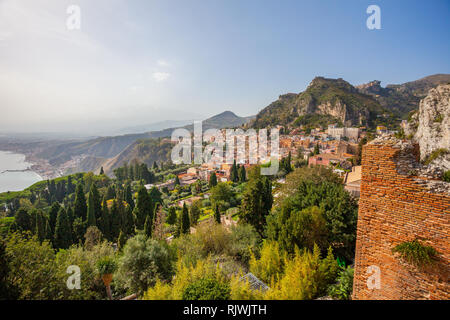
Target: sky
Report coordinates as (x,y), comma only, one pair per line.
(135,62)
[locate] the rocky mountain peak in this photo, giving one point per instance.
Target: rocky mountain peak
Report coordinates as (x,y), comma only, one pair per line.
(431,125)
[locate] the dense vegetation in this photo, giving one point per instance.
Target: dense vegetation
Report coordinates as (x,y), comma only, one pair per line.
(160,246)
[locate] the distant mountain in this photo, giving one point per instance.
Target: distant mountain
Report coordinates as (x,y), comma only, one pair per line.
(403,98)
(156,126)
(92,151)
(143,151)
(324,101)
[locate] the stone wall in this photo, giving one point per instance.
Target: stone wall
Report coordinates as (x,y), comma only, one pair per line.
(397,206)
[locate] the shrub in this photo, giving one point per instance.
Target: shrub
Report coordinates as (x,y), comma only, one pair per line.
(143,262)
(446,176)
(244,241)
(434,155)
(106,265)
(342,290)
(417,254)
(207,289)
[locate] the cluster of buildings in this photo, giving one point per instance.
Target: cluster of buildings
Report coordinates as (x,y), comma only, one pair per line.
(332,146)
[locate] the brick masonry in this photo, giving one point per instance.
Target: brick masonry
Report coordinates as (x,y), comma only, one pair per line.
(394,208)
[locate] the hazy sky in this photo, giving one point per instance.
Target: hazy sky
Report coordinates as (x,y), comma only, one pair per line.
(139,61)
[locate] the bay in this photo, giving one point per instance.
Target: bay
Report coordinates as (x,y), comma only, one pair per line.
(15,181)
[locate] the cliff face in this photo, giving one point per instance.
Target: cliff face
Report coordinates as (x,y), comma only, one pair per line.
(433,130)
(403,98)
(324,101)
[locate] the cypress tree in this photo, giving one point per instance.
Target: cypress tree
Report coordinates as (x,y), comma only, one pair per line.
(242,174)
(53,214)
(172,216)
(129,197)
(48,231)
(177,181)
(128,222)
(97,201)
(121,241)
(234,176)
(213,180)
(105,223)
(144,207)
(91,221)
(80,207)
(63,238)
(185,223)
(148,226)
(101,171)
(217,214)
(115,220)
(110,193)
(23,220)
(40,225)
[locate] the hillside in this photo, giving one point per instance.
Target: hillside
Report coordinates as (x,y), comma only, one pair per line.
(324,101)
(403,98)
(143,151)
(89,155)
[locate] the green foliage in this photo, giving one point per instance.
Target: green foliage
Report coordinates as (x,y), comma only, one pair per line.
(256,201)
(446,176)
(217,214)
(303,229)
(194,212)
(416,253)
(144,261)
(106,265)
(63,235)
(244,241)
(144,207)
(343,289)
(435,154)
(339,210)
(207,289)
(31,267)
(185,224)
(172,216)
(213,180)
(80,207)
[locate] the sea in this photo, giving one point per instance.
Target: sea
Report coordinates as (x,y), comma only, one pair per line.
(15,180)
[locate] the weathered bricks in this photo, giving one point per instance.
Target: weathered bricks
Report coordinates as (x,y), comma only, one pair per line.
(395,208)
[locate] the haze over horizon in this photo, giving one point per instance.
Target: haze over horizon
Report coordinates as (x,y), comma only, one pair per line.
(140,62)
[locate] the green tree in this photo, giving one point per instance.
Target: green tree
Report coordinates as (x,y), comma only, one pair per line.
(217,213)
(91,220)
(194,212)
(338,207)
(23,220)
(105,221)
(257,202)
(316,149)
(171,216)
(144,261)
(185,223)
(53,213)
(101,171)
(110,193)
(144,207)
(234,176)
(148,226)
(129,197)
(213,180)
(115,220)
(222,192)
(177,181)
(80,207)
(63,235)
(31,267)
(242,174)
(207,289)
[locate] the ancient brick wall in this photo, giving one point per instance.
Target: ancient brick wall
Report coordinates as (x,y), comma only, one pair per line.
(393,208)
